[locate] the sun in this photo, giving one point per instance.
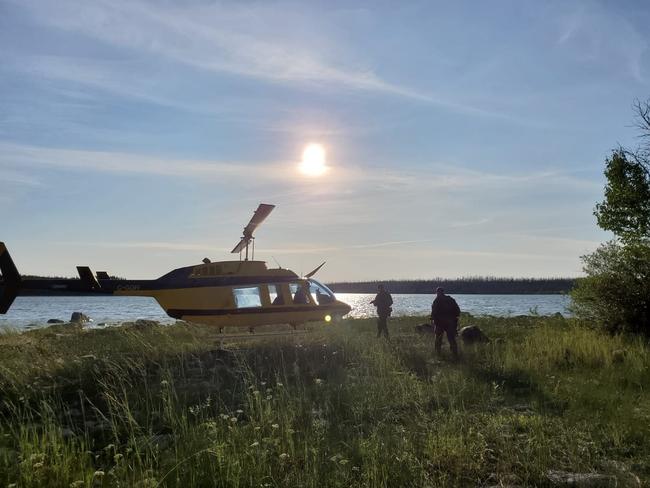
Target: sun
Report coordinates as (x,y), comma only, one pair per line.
(313,160)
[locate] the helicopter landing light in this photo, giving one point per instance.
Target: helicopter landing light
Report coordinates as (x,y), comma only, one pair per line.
(328,318)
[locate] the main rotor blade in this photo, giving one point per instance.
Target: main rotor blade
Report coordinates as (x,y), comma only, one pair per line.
(312,273)
(241,246)
(259,216)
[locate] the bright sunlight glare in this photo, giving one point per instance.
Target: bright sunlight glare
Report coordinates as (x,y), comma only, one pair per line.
(313,160)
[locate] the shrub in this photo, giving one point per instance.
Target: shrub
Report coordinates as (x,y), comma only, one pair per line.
(616,292)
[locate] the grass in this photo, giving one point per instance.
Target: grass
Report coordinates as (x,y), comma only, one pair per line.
(171,406)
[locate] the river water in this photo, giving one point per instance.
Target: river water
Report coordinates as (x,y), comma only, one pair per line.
(28,312)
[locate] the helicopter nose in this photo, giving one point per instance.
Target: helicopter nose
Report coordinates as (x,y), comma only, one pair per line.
(346,308)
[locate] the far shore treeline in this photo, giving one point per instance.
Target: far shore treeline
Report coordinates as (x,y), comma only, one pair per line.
(478,285)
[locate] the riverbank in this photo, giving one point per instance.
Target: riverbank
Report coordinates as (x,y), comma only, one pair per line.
(148,405)
(34,312)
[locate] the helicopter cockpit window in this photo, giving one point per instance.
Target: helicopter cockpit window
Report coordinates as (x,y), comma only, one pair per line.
(275,296)
(322,295)
(247,297)
(299,293)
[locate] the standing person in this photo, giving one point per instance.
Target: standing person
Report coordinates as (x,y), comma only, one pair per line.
(383,302)
(444,316)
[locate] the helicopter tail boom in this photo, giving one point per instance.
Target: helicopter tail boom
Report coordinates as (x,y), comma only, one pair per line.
(11,279)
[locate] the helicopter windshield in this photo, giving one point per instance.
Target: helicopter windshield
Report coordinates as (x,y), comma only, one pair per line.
(321,294)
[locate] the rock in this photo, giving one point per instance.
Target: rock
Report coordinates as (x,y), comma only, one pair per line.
(587,480)
(558,315)
(67,433)
(618,356)
(472,334)
(79,318)
(623,474)
(55,321)
(424,329)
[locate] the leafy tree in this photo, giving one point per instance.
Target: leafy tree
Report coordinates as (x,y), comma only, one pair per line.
(626,208)
(616,290)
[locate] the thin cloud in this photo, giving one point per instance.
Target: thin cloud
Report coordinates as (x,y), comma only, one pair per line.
(360,182)
(125,163)
(215,45)
(588,31)
(18,178)
(471,223)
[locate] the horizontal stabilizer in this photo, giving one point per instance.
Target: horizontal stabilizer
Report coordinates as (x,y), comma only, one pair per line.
(103,275)
(88,278)
(11,279)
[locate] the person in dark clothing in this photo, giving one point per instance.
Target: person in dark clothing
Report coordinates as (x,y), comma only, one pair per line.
(383,302)
(302,295)
(444,317)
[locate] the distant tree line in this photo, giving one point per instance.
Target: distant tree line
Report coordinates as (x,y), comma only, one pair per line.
(471,285)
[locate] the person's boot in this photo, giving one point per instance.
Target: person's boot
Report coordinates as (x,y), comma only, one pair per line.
(438,346)
(454,350)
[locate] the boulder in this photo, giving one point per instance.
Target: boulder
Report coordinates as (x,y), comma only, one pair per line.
(424,329)
(618,356)
(472,334)
(79,318)
(592,480)
(55,321)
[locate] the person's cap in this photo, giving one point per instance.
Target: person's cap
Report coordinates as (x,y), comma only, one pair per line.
(440,289)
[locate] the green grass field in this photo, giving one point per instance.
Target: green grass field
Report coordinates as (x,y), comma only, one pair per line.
(169,406)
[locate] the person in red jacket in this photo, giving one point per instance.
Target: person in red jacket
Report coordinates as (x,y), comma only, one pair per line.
(444,317)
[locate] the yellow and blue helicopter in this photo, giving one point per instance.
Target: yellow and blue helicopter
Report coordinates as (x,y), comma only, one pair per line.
(242,293)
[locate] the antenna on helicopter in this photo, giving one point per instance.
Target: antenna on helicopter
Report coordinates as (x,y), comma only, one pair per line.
(259,216)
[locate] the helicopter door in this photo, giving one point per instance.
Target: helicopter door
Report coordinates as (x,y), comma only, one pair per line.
(320,293)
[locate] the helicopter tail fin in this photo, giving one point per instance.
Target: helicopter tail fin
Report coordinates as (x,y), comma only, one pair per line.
(11,279)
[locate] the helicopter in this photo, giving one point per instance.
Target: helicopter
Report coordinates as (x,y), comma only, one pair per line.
(239,293)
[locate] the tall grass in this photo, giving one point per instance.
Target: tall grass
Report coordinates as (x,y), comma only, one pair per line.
(168,406)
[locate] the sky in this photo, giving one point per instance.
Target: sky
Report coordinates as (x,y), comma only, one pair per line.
(462,138)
